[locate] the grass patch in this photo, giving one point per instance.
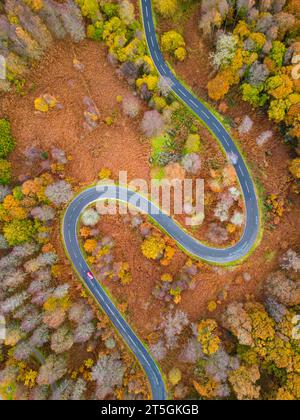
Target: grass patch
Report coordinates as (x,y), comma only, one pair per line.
(159,144)
(270,256)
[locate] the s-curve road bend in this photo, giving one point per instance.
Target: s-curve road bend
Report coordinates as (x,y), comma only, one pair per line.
(252,209)
(187,242)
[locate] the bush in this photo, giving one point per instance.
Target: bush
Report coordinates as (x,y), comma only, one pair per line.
(7,142)
(110,9)
(5,172)
(175,376)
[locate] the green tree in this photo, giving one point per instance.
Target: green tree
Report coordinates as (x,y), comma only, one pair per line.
(95,31)
(166,8)
(110,9)
(254,95)
(279,86)
(18,232)
(278,110)
(90,9)
(7,142)
(171,41)
(277,53)
(5,172)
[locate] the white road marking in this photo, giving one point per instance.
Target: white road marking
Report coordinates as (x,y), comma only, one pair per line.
(226,141)
(206,114)
(164,71)
(241,169)
(182,93)
(194,103)
(146,361)
(217,127)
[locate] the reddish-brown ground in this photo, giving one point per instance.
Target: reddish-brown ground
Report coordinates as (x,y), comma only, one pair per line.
(117,147)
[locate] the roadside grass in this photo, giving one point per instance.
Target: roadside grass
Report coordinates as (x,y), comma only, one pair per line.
(159,145)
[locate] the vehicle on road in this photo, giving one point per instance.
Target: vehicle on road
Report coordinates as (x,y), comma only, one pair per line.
(90,276)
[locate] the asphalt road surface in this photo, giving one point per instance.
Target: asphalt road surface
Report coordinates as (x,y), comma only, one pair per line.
(187,242)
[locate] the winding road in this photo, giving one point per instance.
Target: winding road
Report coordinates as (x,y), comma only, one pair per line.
(187,242)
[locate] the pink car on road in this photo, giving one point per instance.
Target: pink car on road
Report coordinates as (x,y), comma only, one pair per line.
(90,275)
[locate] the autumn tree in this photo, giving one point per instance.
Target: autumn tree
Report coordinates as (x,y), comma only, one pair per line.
(225,50)
(208,337)
(283,289)
(212,15)
(54,369)
(237,321)
(62,340)
(152,124)
(174,376)
(90,9)
(244,382)
(59,193)
(108,373)
(295,168)
(90,217)
(219,86)
(153,247)
(18,232)
(126,12)
(131,106)
(173,43)
(166,8)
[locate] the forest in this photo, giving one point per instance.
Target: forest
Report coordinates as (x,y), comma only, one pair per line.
(81,101)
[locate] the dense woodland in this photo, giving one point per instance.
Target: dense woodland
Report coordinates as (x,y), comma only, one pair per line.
(59,345)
